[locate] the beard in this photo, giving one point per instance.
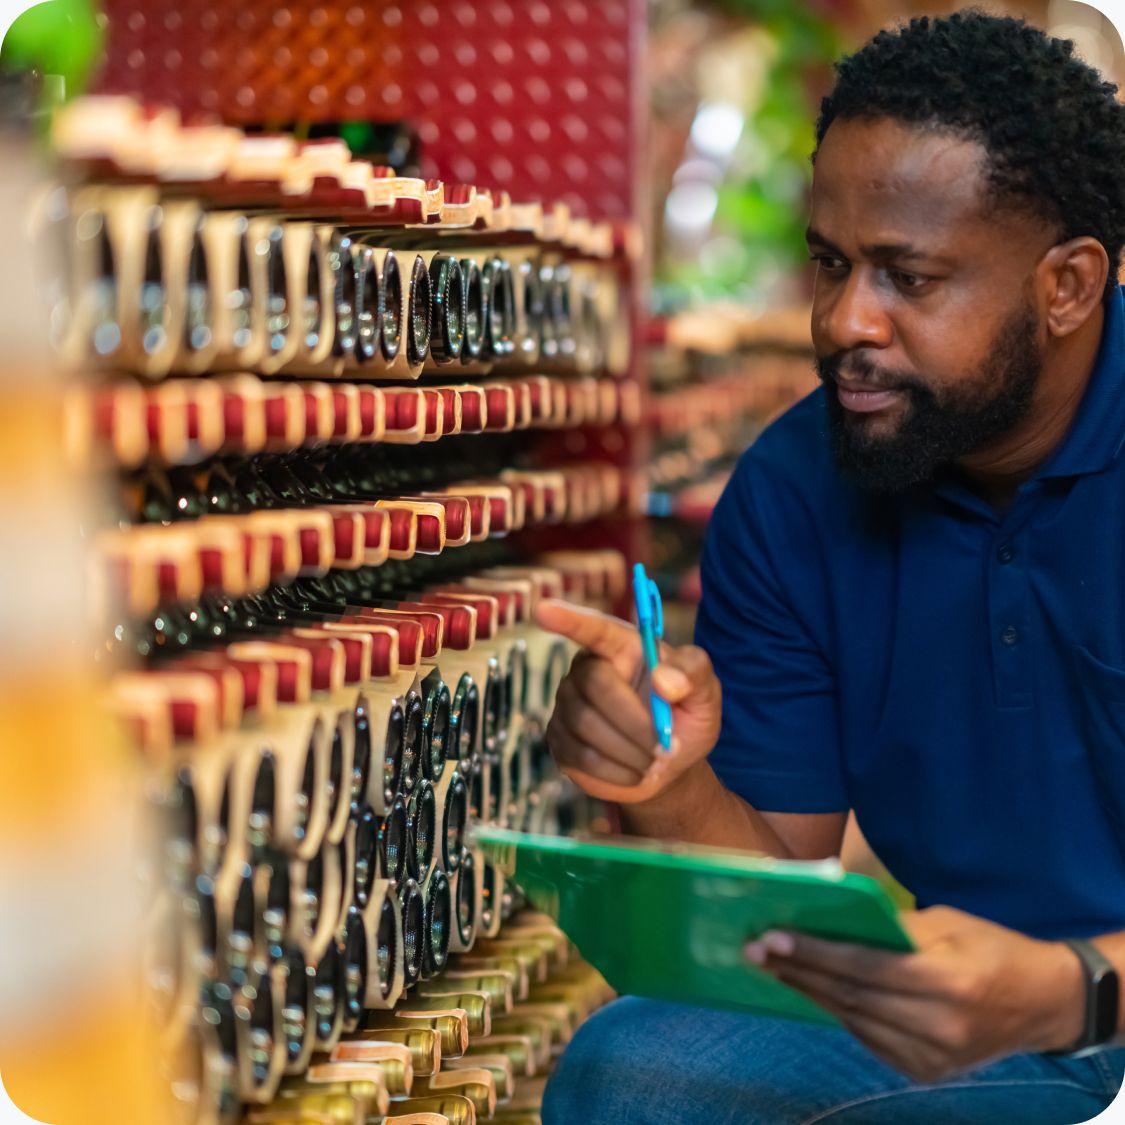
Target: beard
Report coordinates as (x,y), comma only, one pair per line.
(940,426)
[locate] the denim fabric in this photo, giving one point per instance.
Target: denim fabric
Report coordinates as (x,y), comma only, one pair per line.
(643,1062)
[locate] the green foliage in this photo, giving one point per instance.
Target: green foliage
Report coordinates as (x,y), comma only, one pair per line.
(762,202)
(58,37)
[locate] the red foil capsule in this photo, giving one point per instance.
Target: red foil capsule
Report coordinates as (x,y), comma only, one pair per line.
(460,622)
(328,660)
(431,626)
(392,646)
(501,407)
(372,414)
(356,647)
(487,608)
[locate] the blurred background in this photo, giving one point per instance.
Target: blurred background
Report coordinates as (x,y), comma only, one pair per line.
(684,127)
(734,90)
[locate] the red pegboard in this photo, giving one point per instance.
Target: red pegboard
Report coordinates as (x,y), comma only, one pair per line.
(539,98)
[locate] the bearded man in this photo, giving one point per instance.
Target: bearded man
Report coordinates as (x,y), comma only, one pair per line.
(913,609)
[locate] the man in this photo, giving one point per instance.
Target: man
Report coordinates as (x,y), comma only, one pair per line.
(913,607)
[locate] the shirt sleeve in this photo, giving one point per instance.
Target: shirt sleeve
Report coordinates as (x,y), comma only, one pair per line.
(779,744)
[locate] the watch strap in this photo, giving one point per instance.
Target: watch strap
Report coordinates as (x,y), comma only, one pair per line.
(1102,996)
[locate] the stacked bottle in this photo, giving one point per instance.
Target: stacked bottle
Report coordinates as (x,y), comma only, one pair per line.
(319,626)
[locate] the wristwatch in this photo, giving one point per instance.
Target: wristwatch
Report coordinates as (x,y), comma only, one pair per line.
(1102,993)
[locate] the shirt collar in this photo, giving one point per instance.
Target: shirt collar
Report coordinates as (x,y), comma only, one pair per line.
(1098,431)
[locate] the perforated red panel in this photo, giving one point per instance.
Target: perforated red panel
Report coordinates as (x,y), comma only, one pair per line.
(536,97)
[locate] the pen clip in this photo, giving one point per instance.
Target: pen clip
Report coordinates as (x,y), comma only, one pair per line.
(657,609)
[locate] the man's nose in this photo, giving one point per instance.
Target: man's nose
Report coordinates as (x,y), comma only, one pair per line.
(851,316)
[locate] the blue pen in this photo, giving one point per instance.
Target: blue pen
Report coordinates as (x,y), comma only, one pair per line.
(650,621)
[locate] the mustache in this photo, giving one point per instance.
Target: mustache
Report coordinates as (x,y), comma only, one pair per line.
(859,369)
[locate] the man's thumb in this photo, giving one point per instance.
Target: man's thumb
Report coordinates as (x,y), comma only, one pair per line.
(684,672)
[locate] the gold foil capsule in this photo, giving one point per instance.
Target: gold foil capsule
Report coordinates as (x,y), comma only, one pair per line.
(449,1107)
(388,1063)
(307,1109)
(452,1024)
(530,954)
(498,985)
(559,1016)
(521,1051)
(499,1065)
(476,1083)
(423,1043)
(476,1005)
(540,1032)
(475,961)
(528,1096)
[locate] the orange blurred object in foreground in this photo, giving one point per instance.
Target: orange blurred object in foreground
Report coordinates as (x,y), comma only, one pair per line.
(74,1045)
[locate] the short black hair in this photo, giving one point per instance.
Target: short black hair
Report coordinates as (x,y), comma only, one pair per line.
(1051,125)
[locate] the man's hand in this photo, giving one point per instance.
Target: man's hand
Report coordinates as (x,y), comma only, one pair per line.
(601,732)
(973,991)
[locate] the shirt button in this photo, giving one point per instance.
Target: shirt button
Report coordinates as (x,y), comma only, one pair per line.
(1010,635)
(1005,552)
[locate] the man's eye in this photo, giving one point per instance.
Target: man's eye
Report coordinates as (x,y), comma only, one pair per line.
(908,280)
(828,262)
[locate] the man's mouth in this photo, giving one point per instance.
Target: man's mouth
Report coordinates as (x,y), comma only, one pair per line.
(864,398)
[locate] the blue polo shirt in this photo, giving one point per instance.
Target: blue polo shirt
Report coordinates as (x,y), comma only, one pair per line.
(953,674)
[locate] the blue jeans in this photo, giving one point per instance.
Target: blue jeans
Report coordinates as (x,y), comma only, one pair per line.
(643,1062)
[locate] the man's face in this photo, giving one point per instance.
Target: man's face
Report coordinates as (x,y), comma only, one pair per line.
(923,324)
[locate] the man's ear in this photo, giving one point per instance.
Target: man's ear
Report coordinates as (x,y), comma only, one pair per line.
(1072,277)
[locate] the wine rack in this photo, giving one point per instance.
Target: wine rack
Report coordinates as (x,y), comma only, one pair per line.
(718,378)
(331,406)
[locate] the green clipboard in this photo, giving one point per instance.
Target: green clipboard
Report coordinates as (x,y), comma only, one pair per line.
(670,921)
